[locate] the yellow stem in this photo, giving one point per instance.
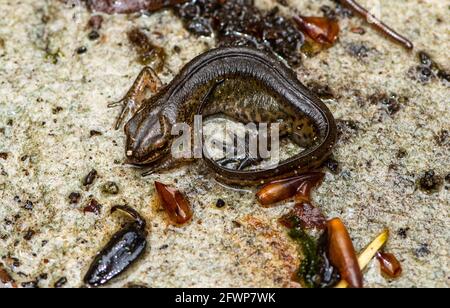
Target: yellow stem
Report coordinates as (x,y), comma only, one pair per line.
(368,254)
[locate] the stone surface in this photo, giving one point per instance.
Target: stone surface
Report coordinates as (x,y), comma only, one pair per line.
(52,96)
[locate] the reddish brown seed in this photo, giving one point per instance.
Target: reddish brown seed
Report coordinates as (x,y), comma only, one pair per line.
(320,29)
(300,187)
(342,253)
(304,190)
(175,203)
(389,264)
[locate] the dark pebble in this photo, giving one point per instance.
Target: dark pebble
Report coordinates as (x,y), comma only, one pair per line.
(28,205)
(57,110)
(74,198)
(443,138)
(422,251)
(90,178)
(29,235)
(429,182)
(220,203)
(93,35)
(81,50)
(94,133)
(401,153)
(332,165)
(43,276)
(60,283)
(403,232)
(30,285)
(358,50)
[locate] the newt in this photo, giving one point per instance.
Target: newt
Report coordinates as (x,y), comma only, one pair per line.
(244,84)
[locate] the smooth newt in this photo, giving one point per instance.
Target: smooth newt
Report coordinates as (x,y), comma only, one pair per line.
(244,84)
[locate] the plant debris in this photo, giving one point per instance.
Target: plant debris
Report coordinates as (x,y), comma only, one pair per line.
(149,54)
(342,253)
(368,254)
(93,207)
(322,30)
(315,270)
(240,23)
(305,215)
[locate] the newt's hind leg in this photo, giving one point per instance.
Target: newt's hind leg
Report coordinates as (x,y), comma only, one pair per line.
(147,80)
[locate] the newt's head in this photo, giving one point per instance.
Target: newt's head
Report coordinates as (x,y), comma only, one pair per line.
(148,137)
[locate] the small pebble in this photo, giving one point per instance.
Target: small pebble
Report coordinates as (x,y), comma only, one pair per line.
(110,188)
(90,178)
(81,50)
(429,182)
(94,133)
(220,203)
(332,165)
(60,283)
(422,251)
(403,233)
(30,285)
(28,236)
(28,205)
(93,35)
(74,198)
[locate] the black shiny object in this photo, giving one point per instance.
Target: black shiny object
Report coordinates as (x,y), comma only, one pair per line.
(125,247)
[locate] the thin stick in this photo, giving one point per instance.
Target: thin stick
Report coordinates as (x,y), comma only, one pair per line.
(368,254)
(378,24)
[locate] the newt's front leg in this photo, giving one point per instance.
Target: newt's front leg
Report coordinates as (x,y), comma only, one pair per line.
(147,80)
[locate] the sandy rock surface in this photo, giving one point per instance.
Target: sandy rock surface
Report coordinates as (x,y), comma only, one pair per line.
(52,98)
